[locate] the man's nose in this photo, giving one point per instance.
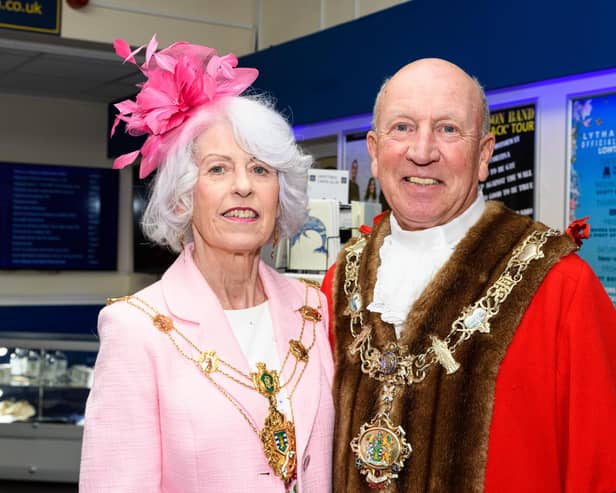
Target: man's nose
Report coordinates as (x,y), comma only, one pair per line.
(422,148)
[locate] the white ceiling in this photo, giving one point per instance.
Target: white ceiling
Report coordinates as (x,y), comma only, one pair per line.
(51,67)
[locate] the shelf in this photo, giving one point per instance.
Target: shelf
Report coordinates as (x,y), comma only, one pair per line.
(47,445)
(35,385)
(49,342)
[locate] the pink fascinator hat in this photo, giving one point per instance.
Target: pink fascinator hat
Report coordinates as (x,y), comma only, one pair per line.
(181,80)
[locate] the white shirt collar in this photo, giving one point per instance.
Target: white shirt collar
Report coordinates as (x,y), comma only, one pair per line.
(446,234)
(409,260)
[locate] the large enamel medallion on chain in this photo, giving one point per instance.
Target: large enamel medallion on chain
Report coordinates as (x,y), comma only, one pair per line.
(278,434)
(278,439)
(380,451)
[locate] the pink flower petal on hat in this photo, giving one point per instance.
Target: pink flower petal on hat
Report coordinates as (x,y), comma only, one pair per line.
(150,156)
(163,61)
(222,66)
(122,49)
(210,87)
(115,124)
(164,119)
(244,77)
(152,45)
(125,159)
(127,106)
(188,81)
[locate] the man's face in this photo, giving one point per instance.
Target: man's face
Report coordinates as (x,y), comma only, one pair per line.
(354,167)
(427,151)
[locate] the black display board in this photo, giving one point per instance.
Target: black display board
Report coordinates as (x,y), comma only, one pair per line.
(512,167)
(147,256)
(58,217)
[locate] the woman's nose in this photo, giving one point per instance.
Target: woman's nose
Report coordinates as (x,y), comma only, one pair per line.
(242,184)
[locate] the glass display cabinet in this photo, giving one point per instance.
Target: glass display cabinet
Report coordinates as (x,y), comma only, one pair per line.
(44,383)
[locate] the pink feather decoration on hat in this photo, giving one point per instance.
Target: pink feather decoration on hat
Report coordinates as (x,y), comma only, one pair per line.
(181,80)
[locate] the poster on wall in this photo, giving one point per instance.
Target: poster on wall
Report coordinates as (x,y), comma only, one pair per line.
(592,181)
(362,186)
(512,167)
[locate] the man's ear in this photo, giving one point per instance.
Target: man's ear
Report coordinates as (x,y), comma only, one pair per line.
(485,154)
(371,139)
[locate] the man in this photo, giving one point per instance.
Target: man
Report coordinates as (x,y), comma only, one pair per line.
(474,350)
(353,185)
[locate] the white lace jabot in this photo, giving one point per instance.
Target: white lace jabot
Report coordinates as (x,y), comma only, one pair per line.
(409,260)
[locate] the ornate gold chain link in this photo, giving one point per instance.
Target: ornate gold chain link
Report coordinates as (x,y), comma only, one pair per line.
(395,364)
(277,434)
(381,447)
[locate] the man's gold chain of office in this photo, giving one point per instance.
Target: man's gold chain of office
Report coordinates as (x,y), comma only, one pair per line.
(380,447)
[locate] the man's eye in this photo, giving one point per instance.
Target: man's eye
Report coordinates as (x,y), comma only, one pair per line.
(401,127)
(449,129)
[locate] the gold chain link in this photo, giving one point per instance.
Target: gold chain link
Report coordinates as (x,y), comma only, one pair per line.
(409,369)
(152,313)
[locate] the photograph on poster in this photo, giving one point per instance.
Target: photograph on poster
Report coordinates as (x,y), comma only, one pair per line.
(512,167)
(362,186)
(592,180)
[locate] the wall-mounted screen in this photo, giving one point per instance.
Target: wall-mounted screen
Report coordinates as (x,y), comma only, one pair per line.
(58,217)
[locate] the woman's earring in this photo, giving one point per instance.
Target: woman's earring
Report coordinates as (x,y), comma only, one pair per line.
(275,240)
(182,239)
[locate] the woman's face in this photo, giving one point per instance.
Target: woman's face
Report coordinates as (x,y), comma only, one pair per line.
(235,197)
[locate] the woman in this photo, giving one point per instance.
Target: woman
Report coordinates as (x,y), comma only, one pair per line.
(218,377)
(370,194)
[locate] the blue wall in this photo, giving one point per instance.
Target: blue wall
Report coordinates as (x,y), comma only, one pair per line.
(337,72)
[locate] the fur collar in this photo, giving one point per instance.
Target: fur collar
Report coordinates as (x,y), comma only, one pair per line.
(446,417)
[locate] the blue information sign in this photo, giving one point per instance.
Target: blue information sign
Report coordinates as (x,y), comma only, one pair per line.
(31,15)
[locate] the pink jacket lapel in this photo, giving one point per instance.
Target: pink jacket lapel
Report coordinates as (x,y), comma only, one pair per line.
(285,301)
(196,309)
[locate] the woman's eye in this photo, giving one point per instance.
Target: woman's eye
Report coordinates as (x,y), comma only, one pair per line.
(216,169)
(260,170)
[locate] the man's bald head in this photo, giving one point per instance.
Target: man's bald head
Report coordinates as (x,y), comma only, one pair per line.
(432,68)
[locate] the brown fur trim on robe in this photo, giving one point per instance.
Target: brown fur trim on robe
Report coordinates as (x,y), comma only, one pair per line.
(446,417)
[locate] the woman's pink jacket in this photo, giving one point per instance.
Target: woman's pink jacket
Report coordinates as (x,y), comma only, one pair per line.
(154,423)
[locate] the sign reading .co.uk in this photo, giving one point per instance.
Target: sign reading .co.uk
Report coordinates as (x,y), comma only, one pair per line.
(31,15)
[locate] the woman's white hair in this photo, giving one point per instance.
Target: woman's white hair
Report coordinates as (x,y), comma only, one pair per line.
(261,132)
